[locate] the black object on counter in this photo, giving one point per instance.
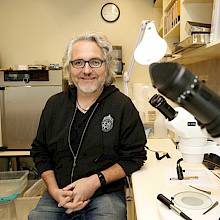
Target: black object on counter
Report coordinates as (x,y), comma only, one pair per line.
(171,206)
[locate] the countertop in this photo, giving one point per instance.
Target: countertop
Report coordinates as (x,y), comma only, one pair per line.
(14,153)
(153,179)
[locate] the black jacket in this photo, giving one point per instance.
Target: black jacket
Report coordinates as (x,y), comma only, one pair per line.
(114,134)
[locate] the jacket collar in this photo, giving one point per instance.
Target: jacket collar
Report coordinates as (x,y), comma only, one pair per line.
(107,91)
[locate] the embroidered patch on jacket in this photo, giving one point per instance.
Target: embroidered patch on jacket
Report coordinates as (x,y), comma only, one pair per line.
(107,123)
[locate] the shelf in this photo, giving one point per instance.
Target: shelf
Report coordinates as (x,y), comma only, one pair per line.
(158,3)
(207,52)
(195,10)
(174,32)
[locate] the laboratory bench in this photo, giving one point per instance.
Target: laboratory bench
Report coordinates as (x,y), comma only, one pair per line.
(154,178)
(15,153)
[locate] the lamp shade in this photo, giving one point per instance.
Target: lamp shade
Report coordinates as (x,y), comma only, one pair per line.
(152,47)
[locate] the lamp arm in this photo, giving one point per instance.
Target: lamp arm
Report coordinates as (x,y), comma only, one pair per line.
(127,75)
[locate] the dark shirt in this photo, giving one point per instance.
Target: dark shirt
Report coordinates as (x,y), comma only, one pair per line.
(77,128)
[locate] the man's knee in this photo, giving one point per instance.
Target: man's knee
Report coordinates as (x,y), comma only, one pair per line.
(33,215)
(108,206)
(44,215)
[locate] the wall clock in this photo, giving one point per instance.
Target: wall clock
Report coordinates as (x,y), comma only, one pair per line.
(110,12)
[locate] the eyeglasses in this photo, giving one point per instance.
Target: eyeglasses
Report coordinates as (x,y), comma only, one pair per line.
(93,63)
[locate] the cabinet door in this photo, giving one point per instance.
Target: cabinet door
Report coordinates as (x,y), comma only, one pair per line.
(22,109)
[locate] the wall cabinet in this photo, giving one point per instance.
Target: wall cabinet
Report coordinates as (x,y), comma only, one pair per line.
(175,14)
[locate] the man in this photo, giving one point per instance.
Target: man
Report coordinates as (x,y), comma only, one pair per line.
(89,138)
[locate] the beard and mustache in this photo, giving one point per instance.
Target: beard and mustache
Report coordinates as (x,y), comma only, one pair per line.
(85,86)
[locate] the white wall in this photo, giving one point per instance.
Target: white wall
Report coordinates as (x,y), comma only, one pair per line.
(37,31)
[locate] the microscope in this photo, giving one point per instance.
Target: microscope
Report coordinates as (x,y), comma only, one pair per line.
(196,122)
(193,141)
(198,117)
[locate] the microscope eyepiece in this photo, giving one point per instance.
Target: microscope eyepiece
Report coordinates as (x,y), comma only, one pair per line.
(159,102)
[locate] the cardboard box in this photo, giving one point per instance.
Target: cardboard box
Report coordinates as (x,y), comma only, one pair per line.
(29,200)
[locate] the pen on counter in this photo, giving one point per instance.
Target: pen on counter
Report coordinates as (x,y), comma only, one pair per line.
(171,206)
(202,190)
(185,178)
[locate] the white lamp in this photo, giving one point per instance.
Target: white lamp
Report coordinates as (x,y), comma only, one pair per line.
(150,48)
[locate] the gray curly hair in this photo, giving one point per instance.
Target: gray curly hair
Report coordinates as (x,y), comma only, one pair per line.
(105,47)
